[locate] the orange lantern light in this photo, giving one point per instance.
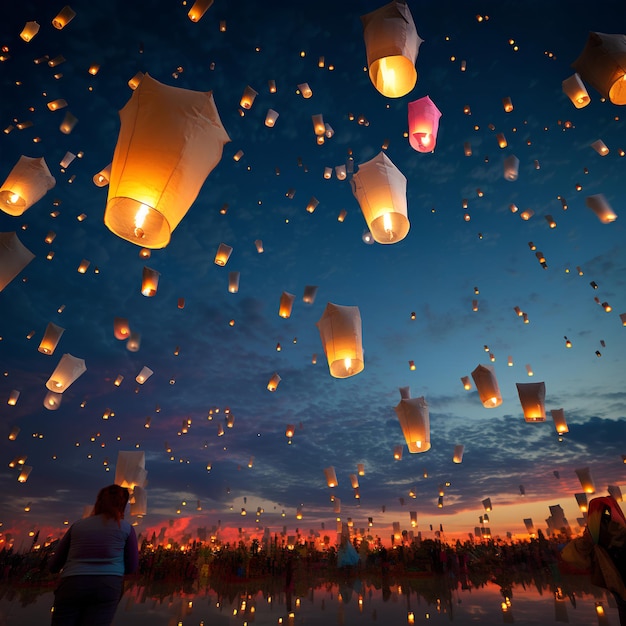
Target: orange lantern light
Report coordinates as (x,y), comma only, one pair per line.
(423,124)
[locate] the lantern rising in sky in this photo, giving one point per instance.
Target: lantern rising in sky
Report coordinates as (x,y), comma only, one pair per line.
(380,189)
(391,44)
(170,139)
(423,124)
(28,181)
(415,423)
(487,386)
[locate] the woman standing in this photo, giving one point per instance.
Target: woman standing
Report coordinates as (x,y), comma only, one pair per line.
(93,557)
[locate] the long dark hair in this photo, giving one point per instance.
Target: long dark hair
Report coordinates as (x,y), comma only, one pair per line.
(111,502)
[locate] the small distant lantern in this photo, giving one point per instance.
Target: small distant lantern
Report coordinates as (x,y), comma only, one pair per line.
(271,85)
(66,372)
(423,124)
(581,501)
(310,291)
(487,386)
(457,456)
(467,149)
(602,64)
(233,282)
(467,385)
(101,179)
(354,481)
(289,431)
(271,117)
(558,416)
(397,453)
(13,397)
(52,401)
(575,90)
(223,254)
(599,205)
(507,104)
(286,304)
(532,398)
(121,329)
(340,172)
(600,147)
(27,182)
(305,90)
(29,31)
(392,44)
(258,245)
(63,17)
(586,481)
(50,338)
(380,189)
(501,139)
(414,420)
(318,124)
(143,375)
(331,476)
(149,282)
(24,474)
(247,99)
(170,139)
(198,9)
(487,504)
(272,385)
(341,335)
(360,469)
(511,168)
(68,123)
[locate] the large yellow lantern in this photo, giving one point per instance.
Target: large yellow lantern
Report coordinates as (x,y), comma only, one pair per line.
(391,44)
(14,257)
(602,64)
(532,397)
(415,423)
(28,181)
(487,386)
(170,139)
(380,189)
(341,334)
(66,372)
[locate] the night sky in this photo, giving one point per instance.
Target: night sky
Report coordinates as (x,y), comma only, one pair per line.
(216,354)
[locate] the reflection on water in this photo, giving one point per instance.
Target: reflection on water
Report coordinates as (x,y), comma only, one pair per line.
(347,599)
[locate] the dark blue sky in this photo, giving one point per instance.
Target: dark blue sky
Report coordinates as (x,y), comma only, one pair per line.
(432,272)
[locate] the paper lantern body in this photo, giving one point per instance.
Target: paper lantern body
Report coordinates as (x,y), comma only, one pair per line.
(130,469)
(457,457)
(487,386)
(574,89)
(52,401)
(14,257)
(66,372)
(415,423)
(598,204)
(380,189)
(27,182)
(584,475)
(391,44)
(139,502)
(310,292)
(149,282)
(602,64)
(511,168)
(331,476)
(50,338)
(341,334)
(198,9)
(423,124)
(286,304)
(169,141)
(532,397)
(560,424)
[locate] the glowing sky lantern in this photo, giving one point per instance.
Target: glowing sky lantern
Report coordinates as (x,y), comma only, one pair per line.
(487,504)
(586,481)
(380,189)
(50,338)
(575,90)
(29,31)
(599,205)
(247,98)
(532,397)
(331,476)
(63,17)
(233,282)
(223,254)
(25,473)
(391,44)
(415,423)
(602,64)
(170,139)
(101,179)
(138,502)
(121,329)
(149,282)
(274,381)
(511,168)
(52,401)
(560,424)
(143,375)
(423,124)
(198,9)
(66,372)
(27,182)
(286,304)
(310,292)
(487,386)
(130,469)
(341,335)
(457,456)
(14,257)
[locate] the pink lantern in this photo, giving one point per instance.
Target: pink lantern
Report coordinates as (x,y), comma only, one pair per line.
(423,124)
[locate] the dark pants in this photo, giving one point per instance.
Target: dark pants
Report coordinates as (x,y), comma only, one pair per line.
(87,600)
